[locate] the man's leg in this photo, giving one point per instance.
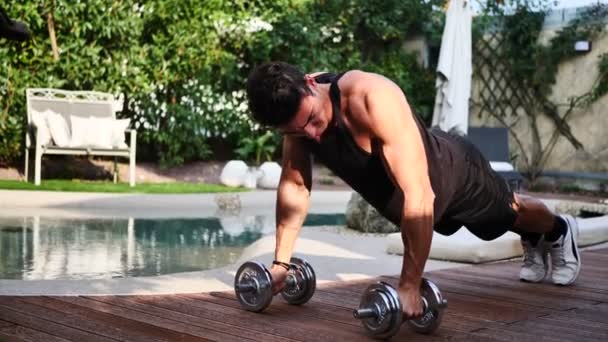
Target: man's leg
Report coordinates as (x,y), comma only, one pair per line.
(544,233)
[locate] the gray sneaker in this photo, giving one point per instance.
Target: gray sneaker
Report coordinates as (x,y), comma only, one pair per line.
(535,264)
(565,259)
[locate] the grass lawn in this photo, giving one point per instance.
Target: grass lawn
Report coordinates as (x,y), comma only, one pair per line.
(97,186)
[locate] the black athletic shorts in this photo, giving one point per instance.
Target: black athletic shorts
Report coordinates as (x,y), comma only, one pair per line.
(483,201)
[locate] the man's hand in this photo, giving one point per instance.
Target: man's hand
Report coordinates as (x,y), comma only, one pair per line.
(279,274)
(411,302)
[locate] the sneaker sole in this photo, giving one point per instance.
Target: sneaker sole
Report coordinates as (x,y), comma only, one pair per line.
(534,280)
(574,230)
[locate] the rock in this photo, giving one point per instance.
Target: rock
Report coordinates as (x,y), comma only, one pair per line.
(270,174)
(228,204)
(361,216)
(355,211)
(233,173)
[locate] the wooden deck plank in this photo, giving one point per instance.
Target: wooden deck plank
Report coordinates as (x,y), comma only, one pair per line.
(570,292)
(494,279)
(592,313)
(21,333)
(124,307)
(80,321)
(591,271)
(108,324)
(505,334)
(35,320)
(557,330)
(485,303)
(269,321)
(543,300)
(4,324)
(320,311)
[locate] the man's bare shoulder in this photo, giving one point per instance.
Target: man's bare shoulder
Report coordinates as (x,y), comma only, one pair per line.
(363,82)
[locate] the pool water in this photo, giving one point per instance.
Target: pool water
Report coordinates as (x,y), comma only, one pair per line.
(33,248)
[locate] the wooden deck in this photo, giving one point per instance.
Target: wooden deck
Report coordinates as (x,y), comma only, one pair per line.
(486,303)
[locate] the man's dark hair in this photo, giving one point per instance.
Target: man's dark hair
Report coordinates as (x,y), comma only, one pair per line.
(274,92)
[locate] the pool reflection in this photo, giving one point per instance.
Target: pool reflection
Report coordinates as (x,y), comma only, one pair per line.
(74,248)
(48,248)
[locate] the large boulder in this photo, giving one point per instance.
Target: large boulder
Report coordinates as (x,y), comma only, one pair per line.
(233,173)
(270,174)
(361,216)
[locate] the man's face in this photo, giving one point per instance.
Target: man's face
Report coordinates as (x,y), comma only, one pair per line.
(312,118)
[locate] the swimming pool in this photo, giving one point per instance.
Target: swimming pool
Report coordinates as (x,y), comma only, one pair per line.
(35,247)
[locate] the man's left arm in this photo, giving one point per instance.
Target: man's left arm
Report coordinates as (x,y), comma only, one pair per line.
(391,121)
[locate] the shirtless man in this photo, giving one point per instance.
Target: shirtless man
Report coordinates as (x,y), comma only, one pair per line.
(361,127)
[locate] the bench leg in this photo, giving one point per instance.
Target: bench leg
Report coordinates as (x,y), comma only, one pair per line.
(37,166)
(132,149)
(132,170)
(27,164)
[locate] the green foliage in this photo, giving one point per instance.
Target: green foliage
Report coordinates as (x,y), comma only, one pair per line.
(262,147)
(602,84)
(181,65)
(532,66)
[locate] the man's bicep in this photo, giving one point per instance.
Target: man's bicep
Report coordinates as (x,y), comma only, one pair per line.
(297,162)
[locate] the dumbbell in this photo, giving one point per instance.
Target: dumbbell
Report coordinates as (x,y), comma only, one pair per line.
(380,310)
(253,284)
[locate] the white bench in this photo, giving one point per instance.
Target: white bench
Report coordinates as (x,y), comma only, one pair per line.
(84,105)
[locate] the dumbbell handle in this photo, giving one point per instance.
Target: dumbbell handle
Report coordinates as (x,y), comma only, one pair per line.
(291,281)
(246,286)
(372,312)
(249,285)
(365,313)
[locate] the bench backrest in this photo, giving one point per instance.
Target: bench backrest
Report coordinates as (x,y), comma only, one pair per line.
(69,102)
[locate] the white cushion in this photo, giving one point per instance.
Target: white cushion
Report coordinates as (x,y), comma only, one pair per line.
(101,131)
(463,246)
(118,133)
(91,132)
(501,166)
(106,133)
(80,127)
(42,127)
(59,129)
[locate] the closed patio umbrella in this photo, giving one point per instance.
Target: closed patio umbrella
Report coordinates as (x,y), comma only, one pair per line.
(454,70)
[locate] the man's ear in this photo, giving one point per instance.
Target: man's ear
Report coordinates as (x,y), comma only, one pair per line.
(310,80)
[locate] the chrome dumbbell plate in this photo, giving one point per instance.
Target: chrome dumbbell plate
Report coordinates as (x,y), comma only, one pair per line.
(380,310)
(253,286)
(436,304)
(301,282)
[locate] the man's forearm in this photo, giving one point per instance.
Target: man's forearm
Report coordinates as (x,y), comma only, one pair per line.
(417,234)
(292,206)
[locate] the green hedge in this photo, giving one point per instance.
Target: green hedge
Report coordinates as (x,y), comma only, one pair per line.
(181,65)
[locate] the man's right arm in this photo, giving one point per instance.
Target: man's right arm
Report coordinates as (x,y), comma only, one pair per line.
(292,195)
